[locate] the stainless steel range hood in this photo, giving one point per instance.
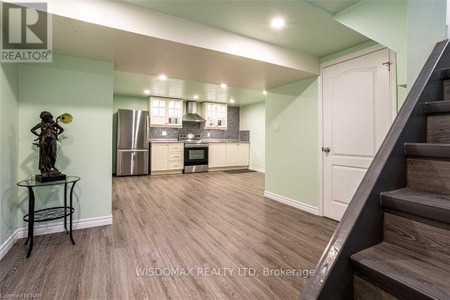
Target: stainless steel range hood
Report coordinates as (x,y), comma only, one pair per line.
(191,113)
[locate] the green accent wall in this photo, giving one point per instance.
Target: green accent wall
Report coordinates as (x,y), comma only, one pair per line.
(9,144)
(126,102)
(409,27)
(426,27)
(83,88)
(291,153)
(348,51)
(386,23)
(253,118)
(382,21)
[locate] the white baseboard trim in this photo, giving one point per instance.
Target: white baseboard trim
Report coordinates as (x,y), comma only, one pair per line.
(52,228)
(262,170)
(291,202)
(59,226)
(7,245)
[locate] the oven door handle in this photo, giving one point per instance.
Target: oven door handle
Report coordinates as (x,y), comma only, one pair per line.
(196,146)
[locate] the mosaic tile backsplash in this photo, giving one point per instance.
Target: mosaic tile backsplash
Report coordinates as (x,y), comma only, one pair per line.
(232,131)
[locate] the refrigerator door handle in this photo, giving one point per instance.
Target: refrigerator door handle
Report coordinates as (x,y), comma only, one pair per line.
(147,127)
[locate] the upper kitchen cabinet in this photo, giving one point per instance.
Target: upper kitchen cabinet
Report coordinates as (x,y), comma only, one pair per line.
(166,112)
(215,115)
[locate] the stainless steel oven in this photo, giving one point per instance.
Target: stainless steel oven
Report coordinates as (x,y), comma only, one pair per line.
(195,153)
(196,157)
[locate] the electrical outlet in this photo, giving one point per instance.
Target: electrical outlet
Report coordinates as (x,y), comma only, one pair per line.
(164,133)
(209,134)
(276,127)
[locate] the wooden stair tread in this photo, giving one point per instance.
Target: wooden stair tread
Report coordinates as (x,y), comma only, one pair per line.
(406,274)
(427,149)
(423,204)
(437,107)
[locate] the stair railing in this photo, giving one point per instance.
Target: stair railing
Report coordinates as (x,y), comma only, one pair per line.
(362,224)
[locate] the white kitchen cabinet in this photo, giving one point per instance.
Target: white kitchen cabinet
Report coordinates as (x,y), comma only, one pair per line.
(175,156)
(232,155)
(243,151)
(176,147)
(217,155)
(228,155)
(167,158)
(159,160)
(216,115)
(175,165)
(166,112)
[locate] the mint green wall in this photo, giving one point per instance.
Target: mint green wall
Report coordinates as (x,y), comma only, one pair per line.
(348,51)
(83,88)
(9,143)
(253,118)
(291,153)
(386,23)
(409,27)
(382,21)
(124,102)
(426,27)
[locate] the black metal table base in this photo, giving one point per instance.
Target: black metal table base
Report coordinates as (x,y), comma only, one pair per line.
(48,214)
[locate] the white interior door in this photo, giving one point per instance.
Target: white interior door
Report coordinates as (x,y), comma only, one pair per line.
(357,114)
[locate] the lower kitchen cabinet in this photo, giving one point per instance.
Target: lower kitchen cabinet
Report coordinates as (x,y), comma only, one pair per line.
(243,152)
(232,155)
(228,155)
(217,155)
(160,154)
(167,158)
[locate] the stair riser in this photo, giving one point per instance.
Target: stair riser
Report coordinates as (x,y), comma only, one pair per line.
(429,175)
(438,129)
(430,239)
(364,290)
(446,89)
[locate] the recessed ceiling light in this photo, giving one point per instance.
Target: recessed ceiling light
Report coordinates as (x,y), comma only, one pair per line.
(195,97)
(162,77)
(232,100)
(147,92)
(277,23)
(264,92)
(223,85)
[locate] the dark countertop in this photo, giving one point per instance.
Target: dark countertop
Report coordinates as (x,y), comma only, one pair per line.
(203,140)
(163,141)
(224,141)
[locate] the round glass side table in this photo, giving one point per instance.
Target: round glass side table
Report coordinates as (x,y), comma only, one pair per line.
(50,213)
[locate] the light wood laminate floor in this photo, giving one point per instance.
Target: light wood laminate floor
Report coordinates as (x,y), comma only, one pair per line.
(208,220)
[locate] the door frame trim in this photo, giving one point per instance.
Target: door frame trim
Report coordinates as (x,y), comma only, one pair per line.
(393,100)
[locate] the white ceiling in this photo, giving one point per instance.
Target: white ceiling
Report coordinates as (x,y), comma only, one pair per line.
(146,55)
(132,84)
(193,70)
(310,26)
(332,6)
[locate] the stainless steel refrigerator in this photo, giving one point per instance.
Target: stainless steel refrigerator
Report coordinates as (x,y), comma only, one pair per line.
(132,142)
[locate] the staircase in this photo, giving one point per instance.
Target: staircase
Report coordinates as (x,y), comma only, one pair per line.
(413,260)
(393,241)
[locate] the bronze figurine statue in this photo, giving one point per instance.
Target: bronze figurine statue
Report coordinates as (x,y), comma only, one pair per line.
(47,138)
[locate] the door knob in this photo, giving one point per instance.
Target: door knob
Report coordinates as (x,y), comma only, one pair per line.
(326,149)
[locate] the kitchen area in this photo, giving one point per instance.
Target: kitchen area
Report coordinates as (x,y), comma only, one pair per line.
(180,137)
